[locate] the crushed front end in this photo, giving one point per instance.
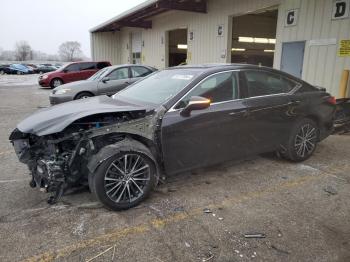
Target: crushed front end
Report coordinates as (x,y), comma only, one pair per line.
(60,161)
(55,161)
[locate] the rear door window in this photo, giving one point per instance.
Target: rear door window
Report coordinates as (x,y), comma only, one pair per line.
(87,66)
(73,68)
(101,65)
(118,74)
(140,71)
(262,83)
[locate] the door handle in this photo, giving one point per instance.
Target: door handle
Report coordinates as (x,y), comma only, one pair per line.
(294,102)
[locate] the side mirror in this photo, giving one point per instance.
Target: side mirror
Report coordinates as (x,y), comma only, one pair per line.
(196,103)
(105,79)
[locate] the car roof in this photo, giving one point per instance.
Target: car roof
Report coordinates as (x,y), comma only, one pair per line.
(213,68)
(79,62)
(124,65)
(218,66)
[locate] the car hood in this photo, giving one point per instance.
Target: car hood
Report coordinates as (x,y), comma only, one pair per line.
(56,118)
(76,86)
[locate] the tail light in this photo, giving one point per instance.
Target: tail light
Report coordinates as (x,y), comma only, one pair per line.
(332,100)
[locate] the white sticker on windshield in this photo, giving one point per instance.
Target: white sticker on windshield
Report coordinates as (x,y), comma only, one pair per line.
(182,77)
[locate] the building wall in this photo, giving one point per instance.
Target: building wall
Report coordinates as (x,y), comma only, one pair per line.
(105,46)
(206,47)
(322,65)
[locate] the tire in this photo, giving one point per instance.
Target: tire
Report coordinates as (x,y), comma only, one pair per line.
(19,73)
(302,140)
(2,72)
(56,82)
(83,95)
(116,186)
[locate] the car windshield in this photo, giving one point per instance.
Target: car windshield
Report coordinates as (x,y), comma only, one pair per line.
(158,87)
(98,75)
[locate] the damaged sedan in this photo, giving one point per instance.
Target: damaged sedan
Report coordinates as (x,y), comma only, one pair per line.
(174,120)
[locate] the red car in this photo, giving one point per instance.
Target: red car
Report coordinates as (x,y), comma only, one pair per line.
(71,72)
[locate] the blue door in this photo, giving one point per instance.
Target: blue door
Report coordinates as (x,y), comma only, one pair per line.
(293,58)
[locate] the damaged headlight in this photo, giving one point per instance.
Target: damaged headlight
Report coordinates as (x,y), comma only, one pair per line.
(62,91)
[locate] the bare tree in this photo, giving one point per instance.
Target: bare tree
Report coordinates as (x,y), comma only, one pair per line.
(23,51)
(70,51)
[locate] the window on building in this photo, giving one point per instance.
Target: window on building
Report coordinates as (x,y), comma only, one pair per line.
(218,88)
(136,58)
(266,83)
(118,74)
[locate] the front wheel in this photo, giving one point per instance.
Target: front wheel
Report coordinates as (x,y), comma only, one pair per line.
(55,82)
(83,95)
(125,179)
(302,141)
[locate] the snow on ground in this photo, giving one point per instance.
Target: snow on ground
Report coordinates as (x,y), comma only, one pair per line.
(18,80)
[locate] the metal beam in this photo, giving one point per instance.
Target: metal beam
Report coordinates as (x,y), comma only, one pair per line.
(191,5)
(139,24)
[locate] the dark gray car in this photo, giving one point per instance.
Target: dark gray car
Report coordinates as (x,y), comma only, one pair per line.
(107,81)
(173,121)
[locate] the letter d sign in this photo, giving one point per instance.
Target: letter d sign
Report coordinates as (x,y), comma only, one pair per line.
(340,9)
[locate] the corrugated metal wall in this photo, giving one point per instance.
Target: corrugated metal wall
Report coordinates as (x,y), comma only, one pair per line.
(105,46)
(322,65)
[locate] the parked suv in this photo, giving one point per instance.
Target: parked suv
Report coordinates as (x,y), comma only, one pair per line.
(71,72)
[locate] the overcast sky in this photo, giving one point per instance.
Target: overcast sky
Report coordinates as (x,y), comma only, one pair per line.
(45,24)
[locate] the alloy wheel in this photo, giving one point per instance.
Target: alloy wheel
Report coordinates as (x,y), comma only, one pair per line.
(126,178)
(56,83)
(305,140)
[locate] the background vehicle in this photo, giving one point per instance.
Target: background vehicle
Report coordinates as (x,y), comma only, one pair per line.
(5,69)
(45,69)
(70,73)
(19,69)
(107,81)
(173,120)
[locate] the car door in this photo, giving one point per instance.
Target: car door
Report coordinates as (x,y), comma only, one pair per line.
(115,81)
(271,108)
(138,72)
(87,69)
(208,136)
(71,73)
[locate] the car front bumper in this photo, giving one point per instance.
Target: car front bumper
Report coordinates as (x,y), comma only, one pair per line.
(59,99)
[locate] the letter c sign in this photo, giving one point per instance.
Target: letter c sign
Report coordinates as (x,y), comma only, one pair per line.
(340,9)
(291,17)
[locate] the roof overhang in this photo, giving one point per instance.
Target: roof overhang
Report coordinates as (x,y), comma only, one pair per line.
(140,16)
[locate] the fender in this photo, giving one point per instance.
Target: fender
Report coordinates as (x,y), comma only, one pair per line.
(123,146)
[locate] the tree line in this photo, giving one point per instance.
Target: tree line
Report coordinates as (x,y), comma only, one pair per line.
(68,51)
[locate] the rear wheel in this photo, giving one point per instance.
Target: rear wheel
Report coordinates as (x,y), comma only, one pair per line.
(302,141)
(125,179)
(83,95)
(55,82)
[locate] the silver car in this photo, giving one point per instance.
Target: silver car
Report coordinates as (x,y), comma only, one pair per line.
(107,81)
